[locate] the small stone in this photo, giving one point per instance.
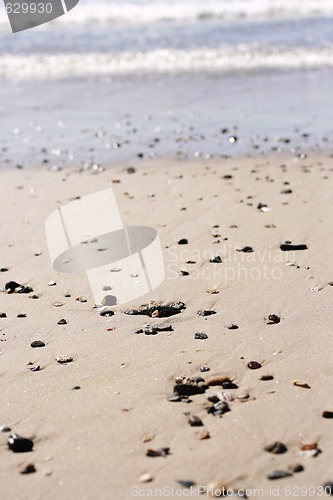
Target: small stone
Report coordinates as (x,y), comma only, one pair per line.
(267,377)
(195,421)
(289,247)
(205,312)
(278,474)
(52,283)
(327,414)
(204,369)
(13,287)
(188,389)
(218,408)
(328,488)
(76,388)
(243,396)
(3,315)
(145,478)
(254,365)
(62,322)
(37,343)
(201,435)
(213,291)
(200,336)
(216,260)
(174,398)
(273,319)
(107,313)
(5,428)
(183,241)
(131,312)
(277,448)
(34,368)
(19,444)
(246,249)
(4,269)
(184,273)
(296,468)
(185,484)
(58,304)
(300,383)
(21,315)
(64,359)
(227,385)
(309,446)
(232,139)
(233,327)
(27,469)
(160,452)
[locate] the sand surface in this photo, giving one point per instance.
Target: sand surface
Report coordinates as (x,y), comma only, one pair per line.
(91,443)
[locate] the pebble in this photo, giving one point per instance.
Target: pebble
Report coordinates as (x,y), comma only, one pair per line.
(296,468)
(200,336)
(185,484)
(202,435)
(13,287)
(195,421)
(188,389)
(5,428)
(183,241)
(246,249)
(27,469)
(64,359)
(328,488)
(243,396)
(273,319)
(3,315)
(160,452)
(21,315)
(327,414)
(204,369)
(35,368)
(289,247)
(4,269)
(205,312)
(267,377)
(166,310)
(218,408)
(107,313)
(254,365)
(131,312)
(184,273)
(58,304)
(216,260)
(62,322)
(19,444)
(145,478)
(233,327)
(52,283)
(278,474)
(300,383)
(277,448)
(37,343)
(229,385)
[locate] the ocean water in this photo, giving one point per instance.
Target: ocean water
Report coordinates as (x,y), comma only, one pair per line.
(113,81)
(112,37)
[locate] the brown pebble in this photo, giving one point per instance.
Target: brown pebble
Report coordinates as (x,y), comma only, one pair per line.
(203,435)
(267,377)
(308,446)
(299,383)
(218,380)
(195,421)
(28,469)
(145,478)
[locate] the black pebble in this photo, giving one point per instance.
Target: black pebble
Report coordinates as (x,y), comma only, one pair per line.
(131,312)
(19,444)
(183,241)
(185,484)
(247,250)
(233,327)
(254,365)
(187,389)
(287,246)
(297,468)
(278,474)
(195,421)
(328,414)
(276,448)
(37,343)
(274,318)
(200,336)
(106,313)
(205,312)
(229,385)
(216,260)
(62,322)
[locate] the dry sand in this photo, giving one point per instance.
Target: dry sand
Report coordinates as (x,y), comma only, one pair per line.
(91,443)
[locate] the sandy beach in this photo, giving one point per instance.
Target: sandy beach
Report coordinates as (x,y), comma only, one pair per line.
(93,420)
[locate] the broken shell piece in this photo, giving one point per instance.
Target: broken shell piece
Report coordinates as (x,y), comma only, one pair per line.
(300,383)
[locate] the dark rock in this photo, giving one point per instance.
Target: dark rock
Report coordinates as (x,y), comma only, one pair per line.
(276,448)
(37,343)
(107,313)
(260,206)
(201,336)
(5,428)
(278,474)
(195,421)
(246,250)
(254,365)
(184,273)
(174,398)
(4,270)
(183,241)
(13,287)
(165,311)
(296,468)
(327,414)
(205,312)
(216,260)
(328,488)
(19,444)
(185,484)
(286,191)
(289,247)
(229,385)
(273,319)
(131,312)
(233,327)
(21,315)
(3,315)
(35,368)
(62,322)
(188,389)
(28,469)
(218,408)
(267,377)
(160,452)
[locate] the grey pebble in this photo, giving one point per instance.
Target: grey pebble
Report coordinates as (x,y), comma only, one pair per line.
(200,336)
(37,343)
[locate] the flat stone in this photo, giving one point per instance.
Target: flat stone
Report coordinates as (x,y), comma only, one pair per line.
(160,452)
(37,343)
(205,312)
(216,260)
(278,474)
(233,327)
(327,414)
(27,469)
(277,448)
(201,336)
(62,322)
(202,435)
(286,247)
(300,383)
(185,484)
(188,389)
(145,478)
(62,359)
(273,319)
(195,421)
(183,241)
(131,312)
(254,365)
(5,428)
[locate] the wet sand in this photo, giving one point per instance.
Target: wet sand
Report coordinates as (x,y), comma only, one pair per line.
(93,420)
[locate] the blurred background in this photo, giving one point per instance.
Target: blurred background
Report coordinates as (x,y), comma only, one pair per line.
(175,71)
